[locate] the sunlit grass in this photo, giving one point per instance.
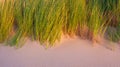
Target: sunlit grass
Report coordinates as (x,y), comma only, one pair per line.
(47,20)
(76,17)
(6,20)
(96,22)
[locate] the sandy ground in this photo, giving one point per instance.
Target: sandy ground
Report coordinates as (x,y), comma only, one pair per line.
(70,53)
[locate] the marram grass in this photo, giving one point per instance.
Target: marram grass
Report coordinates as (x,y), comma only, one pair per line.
(6,20)
(47,21)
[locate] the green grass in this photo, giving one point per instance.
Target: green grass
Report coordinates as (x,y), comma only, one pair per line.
(47,20)
(23,12)
(6,20)
(114,31)
(76,17)
(96,21)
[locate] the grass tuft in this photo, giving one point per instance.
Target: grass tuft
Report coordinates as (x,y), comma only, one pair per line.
(47,20)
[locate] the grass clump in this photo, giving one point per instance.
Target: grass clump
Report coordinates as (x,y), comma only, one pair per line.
(96,22)
(114,29)
(47,20)
(6,20)
(76,17)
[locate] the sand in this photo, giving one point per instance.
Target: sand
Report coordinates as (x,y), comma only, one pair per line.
(69,53)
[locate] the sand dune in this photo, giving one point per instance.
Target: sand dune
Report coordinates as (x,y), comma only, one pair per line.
(70,53)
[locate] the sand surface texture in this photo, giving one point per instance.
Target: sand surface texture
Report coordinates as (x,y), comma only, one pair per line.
(70,53)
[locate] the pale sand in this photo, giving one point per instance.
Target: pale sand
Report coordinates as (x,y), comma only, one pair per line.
(70,53)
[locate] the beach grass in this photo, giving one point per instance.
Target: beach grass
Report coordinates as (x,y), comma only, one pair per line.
(6,20)
(46,21)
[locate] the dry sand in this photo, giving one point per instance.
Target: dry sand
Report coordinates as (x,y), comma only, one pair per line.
(70,53)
